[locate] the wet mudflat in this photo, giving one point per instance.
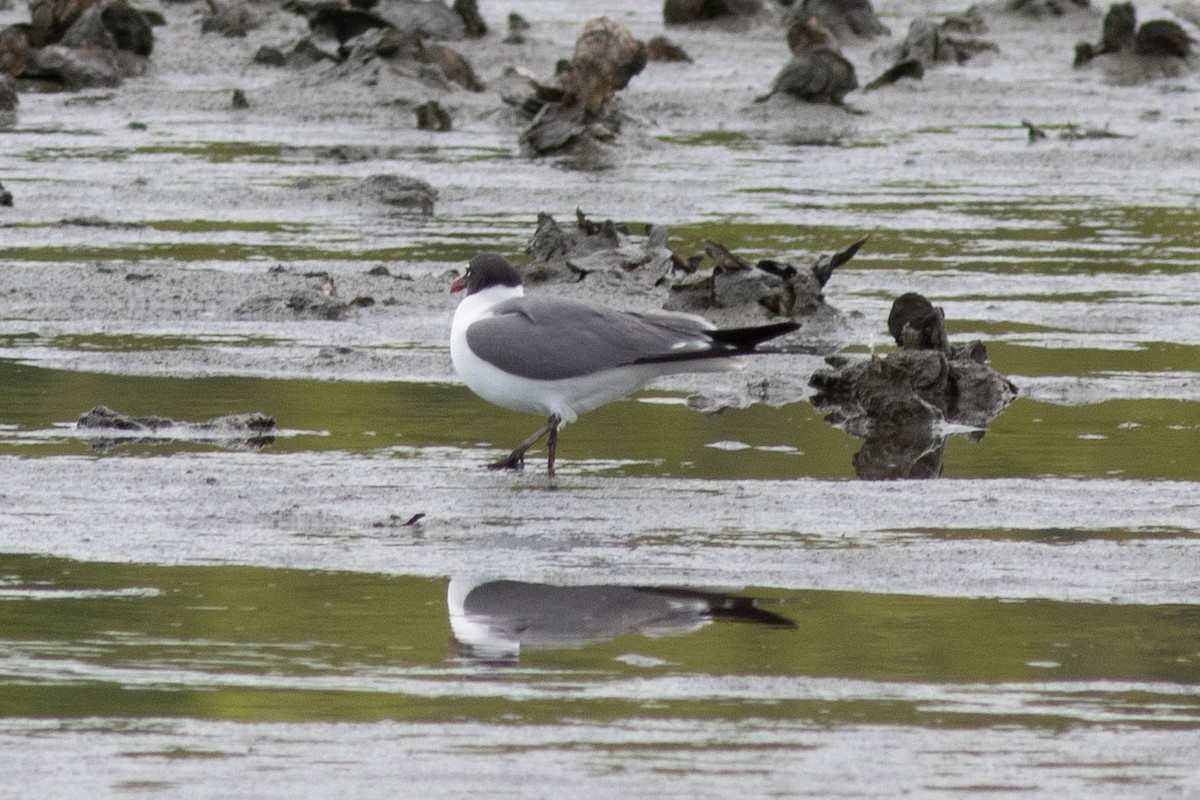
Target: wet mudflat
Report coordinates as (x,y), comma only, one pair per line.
(181,616)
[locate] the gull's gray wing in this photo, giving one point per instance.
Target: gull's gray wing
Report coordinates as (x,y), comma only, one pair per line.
(553,338)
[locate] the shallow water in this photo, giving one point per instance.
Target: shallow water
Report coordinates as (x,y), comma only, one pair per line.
(182,616)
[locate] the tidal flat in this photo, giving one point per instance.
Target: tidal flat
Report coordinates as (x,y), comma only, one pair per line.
(185,618)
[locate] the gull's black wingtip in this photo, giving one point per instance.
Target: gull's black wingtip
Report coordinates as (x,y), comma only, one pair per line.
(746,339)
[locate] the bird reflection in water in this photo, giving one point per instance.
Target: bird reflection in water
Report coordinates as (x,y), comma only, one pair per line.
(493,619)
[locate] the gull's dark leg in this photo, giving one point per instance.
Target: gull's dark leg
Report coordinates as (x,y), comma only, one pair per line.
(552,442)
(516,459)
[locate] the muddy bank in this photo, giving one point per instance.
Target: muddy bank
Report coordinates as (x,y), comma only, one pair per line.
(333,511)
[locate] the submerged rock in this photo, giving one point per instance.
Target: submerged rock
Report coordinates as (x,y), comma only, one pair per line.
(253,430)
(901,402)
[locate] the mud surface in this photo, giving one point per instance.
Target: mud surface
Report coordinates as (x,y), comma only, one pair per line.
(179,618)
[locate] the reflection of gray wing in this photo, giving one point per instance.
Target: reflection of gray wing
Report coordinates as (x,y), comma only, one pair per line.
(550,338)
(564,616)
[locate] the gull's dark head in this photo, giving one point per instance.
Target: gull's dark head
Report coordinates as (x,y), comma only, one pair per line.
(485,271)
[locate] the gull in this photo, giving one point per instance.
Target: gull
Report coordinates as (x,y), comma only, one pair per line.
(560,358)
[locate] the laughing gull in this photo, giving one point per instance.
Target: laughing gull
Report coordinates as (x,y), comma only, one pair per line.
(561,358)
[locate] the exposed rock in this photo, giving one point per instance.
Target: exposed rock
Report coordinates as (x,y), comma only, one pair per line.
(607,56)
(736,292)
(231,18)
(843,18)
(899,403)
(270,56)
(6,198)
(302,304)
(8,104)
(571,253)
(473,23)
(50,19)
(342,23)
(453,65)
(76,68)
(1157,47)
(929,43)
(517,25)
(660,49)
(130,29)
(679,12)
(251,430)
(817,72)
(404,195)
(14,50)
(432,117)
(1046,8)
(429,19)
(378,52)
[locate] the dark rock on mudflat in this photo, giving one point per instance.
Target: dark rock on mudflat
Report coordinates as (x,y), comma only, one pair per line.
(607,56)
(517,25)
(77,45)
(400,193)
(343,24)
(50,19)
(1158,48)
(235,430)
(573,252)
(302,304)
(817,72)
(736,292)
(77,68)
(816,75)
(9,99)
(129,28)
(474,25)
(900,402)
(661,49)
(928,43)
(6,198)
(432,117)
(429,19)
(270,56)
(14,50)
(1045,8)
(378,53)
(681,12)
(231,18)
(843,18)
